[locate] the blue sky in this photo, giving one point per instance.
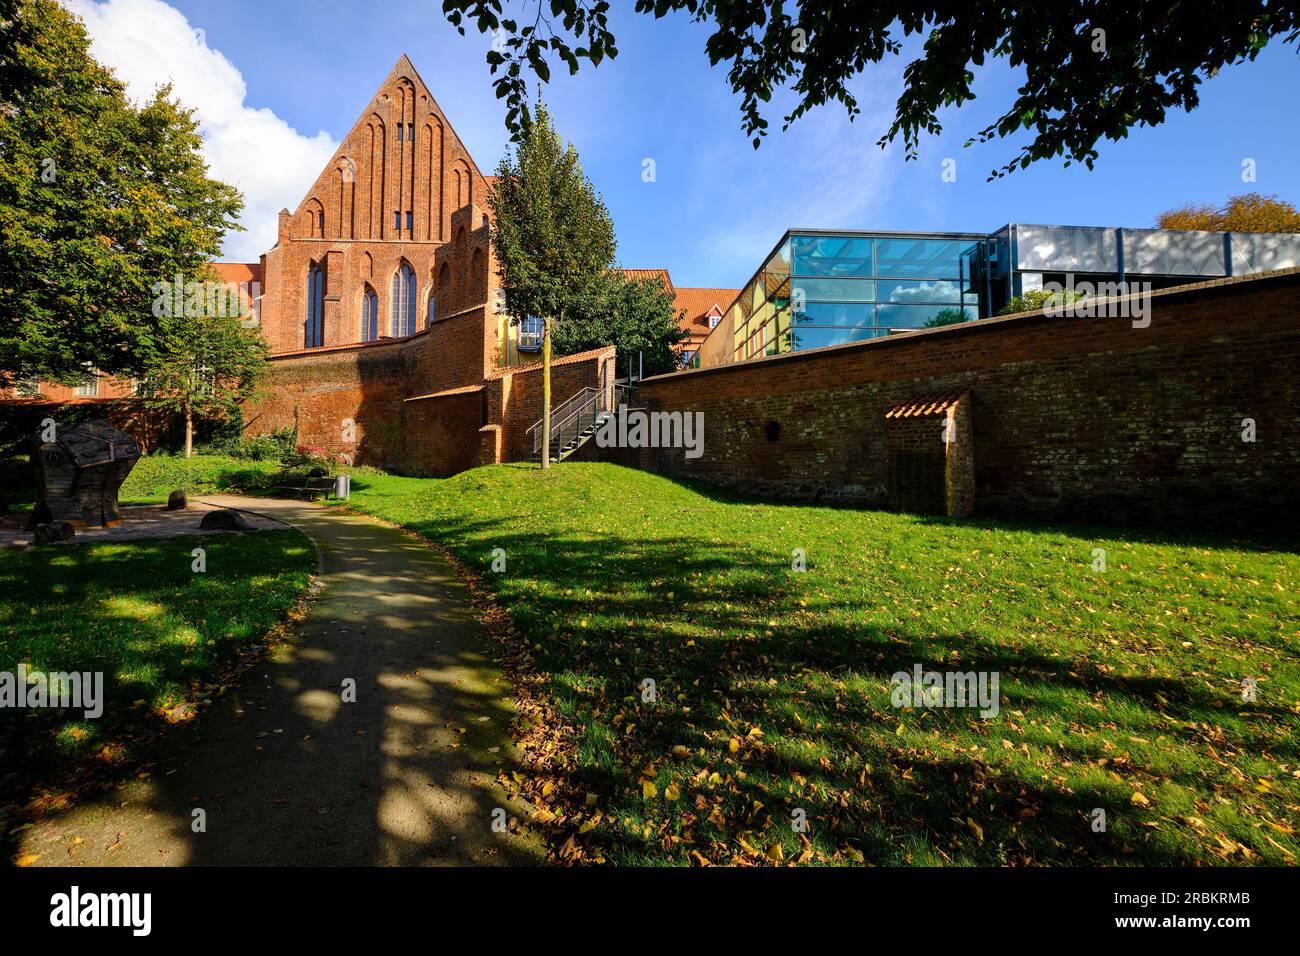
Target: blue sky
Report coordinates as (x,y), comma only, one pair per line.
(717,205)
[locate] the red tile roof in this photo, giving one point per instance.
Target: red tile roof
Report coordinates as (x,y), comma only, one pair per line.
(238,272)
(660,274)
(699,302)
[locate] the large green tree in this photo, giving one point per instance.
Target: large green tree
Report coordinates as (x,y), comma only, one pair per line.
(208,365)
(553,237)
(99,200)
(1092,69)
(635,315)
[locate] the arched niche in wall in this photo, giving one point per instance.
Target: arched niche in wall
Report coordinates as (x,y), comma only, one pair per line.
(371,165)
(313,215)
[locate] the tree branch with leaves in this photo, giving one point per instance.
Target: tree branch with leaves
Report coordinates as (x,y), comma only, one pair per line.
(1092,69)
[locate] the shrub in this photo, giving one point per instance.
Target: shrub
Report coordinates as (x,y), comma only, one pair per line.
(155,476)
(1036,299)
(286,440)
(310,459)
(260,448)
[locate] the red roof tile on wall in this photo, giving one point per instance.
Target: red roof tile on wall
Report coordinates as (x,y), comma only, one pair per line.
(239,272)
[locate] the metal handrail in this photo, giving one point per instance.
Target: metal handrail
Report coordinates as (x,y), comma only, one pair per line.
(562,408)
(557,428)
(590,402)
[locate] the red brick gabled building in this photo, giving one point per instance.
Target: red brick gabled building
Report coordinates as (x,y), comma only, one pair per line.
(380,301)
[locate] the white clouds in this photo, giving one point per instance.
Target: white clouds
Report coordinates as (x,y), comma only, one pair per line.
(148,43)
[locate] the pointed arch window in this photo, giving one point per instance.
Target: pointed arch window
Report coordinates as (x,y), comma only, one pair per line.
(430,310)
(369,315)
(314,326)
(404,301)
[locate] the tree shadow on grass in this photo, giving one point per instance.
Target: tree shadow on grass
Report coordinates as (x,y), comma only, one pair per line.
(1263,538)
(696,616)
(286,771)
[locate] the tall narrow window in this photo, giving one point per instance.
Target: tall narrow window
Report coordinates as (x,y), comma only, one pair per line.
(403,301)
(320,224)
(430,311)
(369,316)
(314,326)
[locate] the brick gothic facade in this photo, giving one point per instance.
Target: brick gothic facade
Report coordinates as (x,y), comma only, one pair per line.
(445,392)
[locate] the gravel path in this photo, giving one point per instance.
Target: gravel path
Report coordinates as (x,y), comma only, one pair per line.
(138,521)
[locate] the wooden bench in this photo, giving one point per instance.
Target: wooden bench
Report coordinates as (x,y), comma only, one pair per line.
(309,488)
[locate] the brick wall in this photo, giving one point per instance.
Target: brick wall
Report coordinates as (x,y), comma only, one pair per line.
(1072,418)
(152,428)
(321,390)
(442,432)
(929,444)
(397,423)
(516,400)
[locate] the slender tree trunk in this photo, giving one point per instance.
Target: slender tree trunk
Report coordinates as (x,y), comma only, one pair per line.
(189,432)
(546,394)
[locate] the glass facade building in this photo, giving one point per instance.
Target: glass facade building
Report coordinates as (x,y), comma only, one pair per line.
(828,288)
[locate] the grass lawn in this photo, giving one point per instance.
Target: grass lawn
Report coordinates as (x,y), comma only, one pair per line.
(154,477)
(136,611)
(1119,690)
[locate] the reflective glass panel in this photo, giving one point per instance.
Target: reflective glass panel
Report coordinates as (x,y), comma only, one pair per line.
(838,314)
(833,290)
(831,255)
(919,258)
(813,338)
(904,292)
(920,316)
